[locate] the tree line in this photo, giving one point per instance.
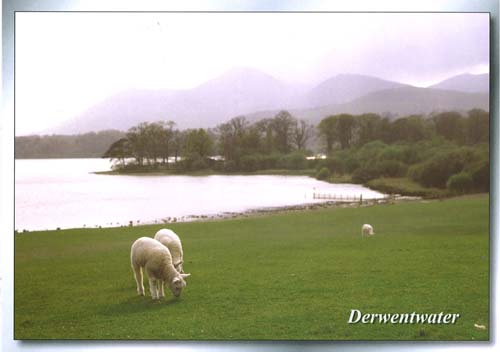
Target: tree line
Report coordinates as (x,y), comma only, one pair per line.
(243,146)
(445,150)
(86,145)
(344,131)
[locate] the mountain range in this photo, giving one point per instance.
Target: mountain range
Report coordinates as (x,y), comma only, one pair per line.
(258,95)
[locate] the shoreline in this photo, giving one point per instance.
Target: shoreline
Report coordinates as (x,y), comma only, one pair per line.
(387,185)
(256,212)
(270,172)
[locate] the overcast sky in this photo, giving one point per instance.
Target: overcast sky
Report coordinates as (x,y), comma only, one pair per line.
(65,62)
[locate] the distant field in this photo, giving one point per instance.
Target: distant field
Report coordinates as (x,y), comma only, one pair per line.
(281,276)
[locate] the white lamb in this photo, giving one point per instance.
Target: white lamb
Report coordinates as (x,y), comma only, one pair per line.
(170,240)
(156,259)
(367,230)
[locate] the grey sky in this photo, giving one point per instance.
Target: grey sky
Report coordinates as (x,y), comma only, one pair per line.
(65,62)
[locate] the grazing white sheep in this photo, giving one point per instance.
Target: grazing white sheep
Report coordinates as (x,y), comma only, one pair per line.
(156,259)
(367,230)
(170,240)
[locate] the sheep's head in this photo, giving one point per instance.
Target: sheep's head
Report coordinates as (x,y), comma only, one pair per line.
(177,284)
(178,267)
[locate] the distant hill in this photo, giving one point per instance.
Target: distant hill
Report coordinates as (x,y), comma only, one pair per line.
(256,94)
(396,102)
(121,111)
(241,90)
(412,100)
(237,92)
(466,83)
(345,88)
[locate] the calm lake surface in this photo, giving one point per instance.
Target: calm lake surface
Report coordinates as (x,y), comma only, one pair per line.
(64,193)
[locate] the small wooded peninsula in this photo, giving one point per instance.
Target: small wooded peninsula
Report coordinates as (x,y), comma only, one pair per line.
(431,156)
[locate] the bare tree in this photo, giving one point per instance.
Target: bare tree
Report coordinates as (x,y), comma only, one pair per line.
(302,132)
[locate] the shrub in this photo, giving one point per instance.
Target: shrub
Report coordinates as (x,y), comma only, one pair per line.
(391,168)
(351,164)
(198,164)
(365,174)
(333,164)
(313,163)
(436,171)
(404,186)
(250,163)
(370,151)
(392,152)
(133,167)
(292,161)
(460,183)
(480,173)
(269,161)
(217,165)
(230,166)
(400,152)
(323,174)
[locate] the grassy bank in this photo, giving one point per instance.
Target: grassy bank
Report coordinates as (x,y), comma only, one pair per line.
(406,187)
(282,276)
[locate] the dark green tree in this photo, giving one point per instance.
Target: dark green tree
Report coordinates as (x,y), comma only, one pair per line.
(344,129)
(327,131)
(368,128)
(166,137)
(477,126)
(409,129)
(266,133)
(119,150)
(137,139)
(231,137)
(337,129)
(451,126)
(198,143)
(282,125)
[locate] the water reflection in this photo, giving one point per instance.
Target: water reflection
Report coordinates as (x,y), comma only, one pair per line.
(65,193)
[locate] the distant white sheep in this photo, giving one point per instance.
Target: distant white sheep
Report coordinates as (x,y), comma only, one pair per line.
(150,254)
(367,230)
(170,240)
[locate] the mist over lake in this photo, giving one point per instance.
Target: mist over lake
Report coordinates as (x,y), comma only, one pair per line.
(65,193)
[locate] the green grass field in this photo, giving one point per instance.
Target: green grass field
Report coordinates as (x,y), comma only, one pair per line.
(288,276)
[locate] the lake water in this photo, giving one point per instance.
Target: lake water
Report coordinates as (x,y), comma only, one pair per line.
(64,193)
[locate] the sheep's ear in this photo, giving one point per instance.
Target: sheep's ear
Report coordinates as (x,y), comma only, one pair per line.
(185,275)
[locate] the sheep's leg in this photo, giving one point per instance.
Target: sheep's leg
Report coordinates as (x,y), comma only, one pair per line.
(153,289)
(138,279)
(162,291)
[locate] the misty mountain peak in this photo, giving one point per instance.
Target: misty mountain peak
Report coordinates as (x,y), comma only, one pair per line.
(242,77)
(247,91)
(467,82)
(343,88)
